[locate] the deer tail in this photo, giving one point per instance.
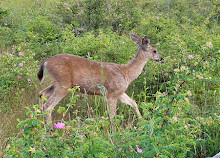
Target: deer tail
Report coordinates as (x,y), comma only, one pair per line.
(40,73)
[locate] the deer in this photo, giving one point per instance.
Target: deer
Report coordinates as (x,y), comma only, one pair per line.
(67,71)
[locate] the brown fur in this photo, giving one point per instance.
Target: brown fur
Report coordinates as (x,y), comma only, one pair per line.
(67,71)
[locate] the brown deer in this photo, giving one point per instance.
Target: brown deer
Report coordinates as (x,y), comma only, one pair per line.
(67,71)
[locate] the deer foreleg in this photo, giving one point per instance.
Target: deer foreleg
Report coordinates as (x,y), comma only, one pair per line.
(124,98)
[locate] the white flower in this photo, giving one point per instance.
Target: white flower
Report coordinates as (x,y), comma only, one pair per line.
(209,44)
(191,56)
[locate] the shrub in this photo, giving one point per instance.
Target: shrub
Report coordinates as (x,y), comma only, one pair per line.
(17,73)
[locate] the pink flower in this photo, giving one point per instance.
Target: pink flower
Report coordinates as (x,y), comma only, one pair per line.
(19,53)
(139,150)
(13,52)
(31,116)
(59,125)
(191,56)
(184,121)
(20,64)
(116,3)
(158,44)
(19,77)
(28,79)
(166,74)
(157,17)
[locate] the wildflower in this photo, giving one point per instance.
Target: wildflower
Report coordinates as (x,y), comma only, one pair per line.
(59,125)
(209,44)
(164,93)
(8,146)
(19,77)
(199,76)
(31,115)
(182,68)
(213,59)
(65,3)
(116,3)
(139,150)
(158,44)
(32,150)
(20,64)
(19,53)
(121,17)
(196,63)
(191,56)
(175,118)
(68,8)
(166,74)
(187,99)
(6,24)
(13,52)
(29,80)
(189,93)
(176,70)
(184,121)
(157,17)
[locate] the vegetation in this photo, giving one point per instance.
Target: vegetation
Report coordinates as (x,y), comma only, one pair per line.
(179,98)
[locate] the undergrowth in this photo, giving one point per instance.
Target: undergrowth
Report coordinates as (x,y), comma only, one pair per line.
(179,98)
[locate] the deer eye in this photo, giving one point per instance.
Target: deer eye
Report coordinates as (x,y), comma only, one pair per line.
(155,51)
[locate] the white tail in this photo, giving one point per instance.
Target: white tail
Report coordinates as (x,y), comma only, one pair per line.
(67,71)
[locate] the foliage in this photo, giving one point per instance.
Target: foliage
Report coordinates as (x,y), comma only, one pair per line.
(179,98)
(17,74)
(90,138)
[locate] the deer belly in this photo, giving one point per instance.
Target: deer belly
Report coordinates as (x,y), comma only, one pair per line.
(90,88)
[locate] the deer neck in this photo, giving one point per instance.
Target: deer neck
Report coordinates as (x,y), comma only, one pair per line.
(135,67)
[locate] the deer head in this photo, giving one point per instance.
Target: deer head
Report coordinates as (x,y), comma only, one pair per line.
(146,48)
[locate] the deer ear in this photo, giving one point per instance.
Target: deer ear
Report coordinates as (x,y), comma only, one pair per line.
(145,41)
(136,39)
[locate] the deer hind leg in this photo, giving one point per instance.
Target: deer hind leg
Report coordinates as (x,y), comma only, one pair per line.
(53,100)
(47,92)
(111,107)
(124,98)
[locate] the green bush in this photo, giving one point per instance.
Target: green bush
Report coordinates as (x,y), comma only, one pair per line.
(159,134)
(179,98)
(17,74)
